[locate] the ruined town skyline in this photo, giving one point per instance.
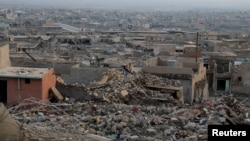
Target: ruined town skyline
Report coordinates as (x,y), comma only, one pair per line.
(136,4)
(62,73)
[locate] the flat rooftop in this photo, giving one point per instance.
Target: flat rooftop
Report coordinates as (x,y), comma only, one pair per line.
(22,72)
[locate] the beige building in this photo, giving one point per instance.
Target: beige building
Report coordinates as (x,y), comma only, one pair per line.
(219,71)
(4,56)
(191,74)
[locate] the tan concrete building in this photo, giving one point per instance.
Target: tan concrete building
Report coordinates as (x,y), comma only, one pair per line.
(4,56)
(191,74)
(219,71)
(228,73)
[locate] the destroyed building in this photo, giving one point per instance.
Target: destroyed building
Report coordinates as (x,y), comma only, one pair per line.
(240,78)
(227,72)
(84,46)
(219,71)
(191,74)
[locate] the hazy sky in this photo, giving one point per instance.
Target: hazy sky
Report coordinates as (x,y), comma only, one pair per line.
(225,4)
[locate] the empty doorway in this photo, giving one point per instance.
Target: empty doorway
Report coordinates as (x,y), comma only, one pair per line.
(221,85)
(3,91)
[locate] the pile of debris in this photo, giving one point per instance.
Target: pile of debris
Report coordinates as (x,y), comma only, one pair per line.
(153,80)
(115,88)
(136,108)
(110,121)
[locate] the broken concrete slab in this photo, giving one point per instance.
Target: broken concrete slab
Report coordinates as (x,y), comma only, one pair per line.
(57,94)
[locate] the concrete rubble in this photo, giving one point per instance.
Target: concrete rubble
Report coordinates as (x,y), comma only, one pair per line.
(174,58)
(125,110)
(78,121)
(132,90)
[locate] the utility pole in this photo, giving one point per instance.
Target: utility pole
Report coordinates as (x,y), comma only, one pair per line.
(196,49)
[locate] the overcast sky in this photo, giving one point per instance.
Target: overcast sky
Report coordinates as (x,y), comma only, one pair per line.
(225,4)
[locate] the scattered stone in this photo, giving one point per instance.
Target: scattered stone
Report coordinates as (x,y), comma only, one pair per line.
(93,137)
(151,131)
(144,116)
(133,138)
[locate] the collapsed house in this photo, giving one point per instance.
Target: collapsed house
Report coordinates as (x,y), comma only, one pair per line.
(191,74)
(219,71)
(228,72)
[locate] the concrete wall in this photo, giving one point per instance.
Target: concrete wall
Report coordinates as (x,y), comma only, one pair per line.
(151,62)
(17,89)
(4,56)
(78,93)
(15,95)
(194,82)
(24,62)
(83,75)
(241,79)
(202,72)
(63,68)
(187,90)
(161,62)
(200,91)
(48,81)
(164,49)
(167,70)
(191,52)
(190,86)
(191,91)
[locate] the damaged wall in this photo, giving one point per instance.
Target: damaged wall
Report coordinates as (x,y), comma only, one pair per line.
(48,81)
(83,75)
(71,91)
(63,68)
(220,71)
(151,62)
(194,84)
(168,70)
(241,79)
(199,84)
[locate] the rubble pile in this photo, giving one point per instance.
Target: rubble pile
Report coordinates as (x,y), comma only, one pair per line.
(116,89)
(149,79)
(140,59)
(112,121)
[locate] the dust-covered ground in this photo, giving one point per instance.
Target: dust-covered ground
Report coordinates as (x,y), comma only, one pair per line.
(125,110)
